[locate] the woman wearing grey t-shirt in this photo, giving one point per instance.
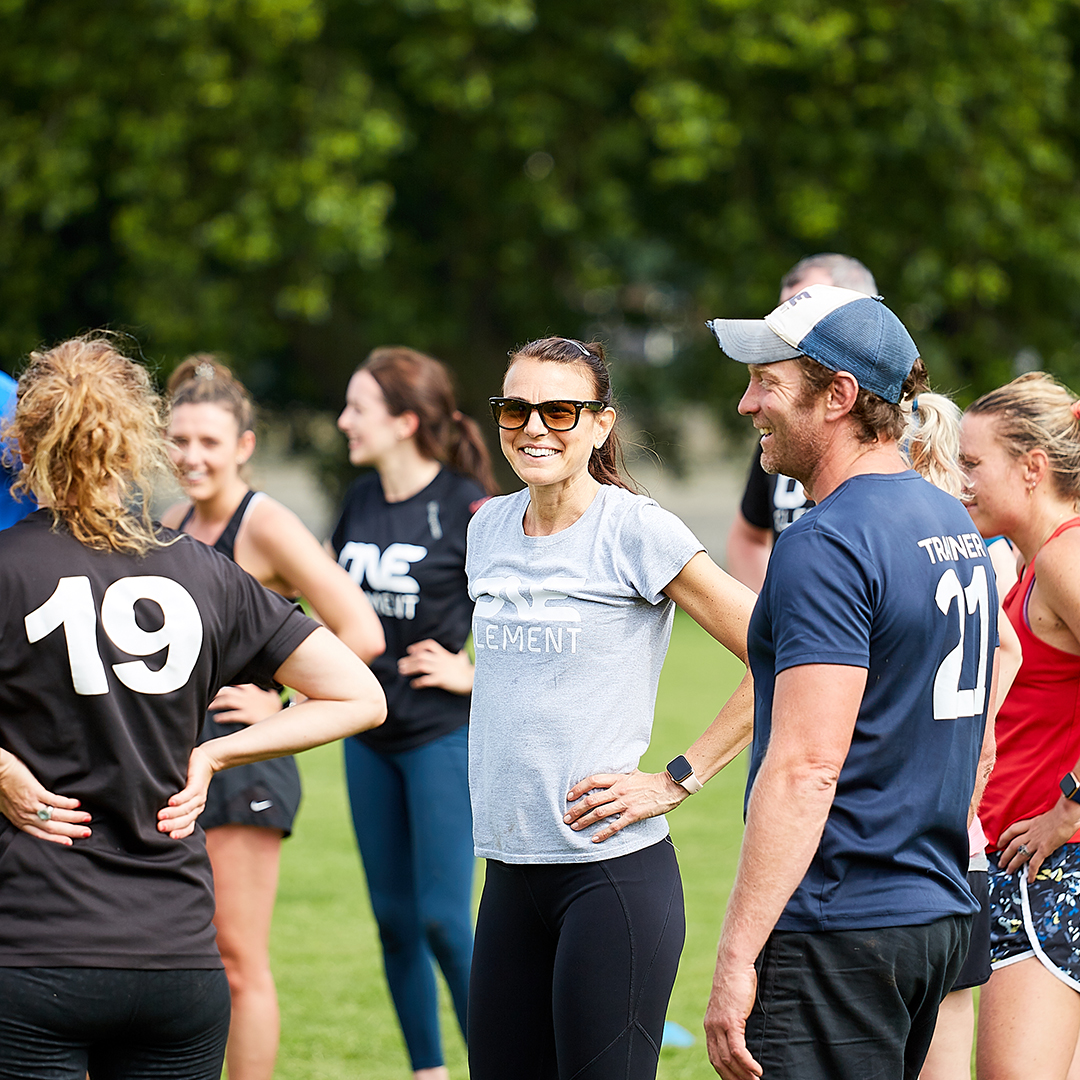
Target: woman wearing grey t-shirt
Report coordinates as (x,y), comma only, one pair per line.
(575,580)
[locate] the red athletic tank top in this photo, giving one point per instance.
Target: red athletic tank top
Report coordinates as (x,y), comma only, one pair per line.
(1038,725)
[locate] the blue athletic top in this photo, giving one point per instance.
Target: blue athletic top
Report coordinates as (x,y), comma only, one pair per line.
(888,573)
(12,508)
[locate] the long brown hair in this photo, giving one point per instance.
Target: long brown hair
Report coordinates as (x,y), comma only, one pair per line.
(412,381)
(91,432)
(606,465)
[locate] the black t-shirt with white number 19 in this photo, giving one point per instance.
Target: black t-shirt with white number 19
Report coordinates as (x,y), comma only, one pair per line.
(409,558)
(107,665)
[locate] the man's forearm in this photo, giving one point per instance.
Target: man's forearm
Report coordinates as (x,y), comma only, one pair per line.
(774,856)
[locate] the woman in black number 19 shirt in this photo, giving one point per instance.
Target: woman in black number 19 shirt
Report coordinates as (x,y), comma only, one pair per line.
(115,634)
(402,538)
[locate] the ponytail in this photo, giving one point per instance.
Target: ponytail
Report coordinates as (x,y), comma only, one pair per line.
(931,441)
(413,382)
(91,432)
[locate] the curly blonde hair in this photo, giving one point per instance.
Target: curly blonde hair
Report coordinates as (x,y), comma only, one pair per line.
(91,434)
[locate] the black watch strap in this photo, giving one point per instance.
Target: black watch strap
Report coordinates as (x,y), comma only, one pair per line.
(1070,787)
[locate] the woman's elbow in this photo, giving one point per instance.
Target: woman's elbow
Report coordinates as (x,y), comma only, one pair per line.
(370,702)
(368,641)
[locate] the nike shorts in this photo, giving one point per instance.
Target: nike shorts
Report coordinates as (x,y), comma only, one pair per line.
(265,793)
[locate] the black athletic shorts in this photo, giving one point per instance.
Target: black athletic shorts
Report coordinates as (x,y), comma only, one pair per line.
(264,793)
(976,969)
(848,1004)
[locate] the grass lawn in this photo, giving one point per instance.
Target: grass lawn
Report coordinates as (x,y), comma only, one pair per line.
(337,1019)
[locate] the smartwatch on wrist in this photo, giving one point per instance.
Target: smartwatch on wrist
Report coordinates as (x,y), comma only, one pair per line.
(682,772)
(1070,787)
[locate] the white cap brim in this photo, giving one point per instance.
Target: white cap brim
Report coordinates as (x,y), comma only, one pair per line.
(750,341)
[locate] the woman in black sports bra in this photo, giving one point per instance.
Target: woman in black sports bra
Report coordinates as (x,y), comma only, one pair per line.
(250,809)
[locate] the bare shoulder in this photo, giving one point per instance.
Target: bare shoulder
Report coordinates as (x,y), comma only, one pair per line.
(1057,577)
(174,515)
(1060,555)
(271,525)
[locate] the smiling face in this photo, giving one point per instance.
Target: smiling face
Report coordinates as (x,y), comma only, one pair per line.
(995,487)
(777,401)
(541,457)
(207,448)
(367,422)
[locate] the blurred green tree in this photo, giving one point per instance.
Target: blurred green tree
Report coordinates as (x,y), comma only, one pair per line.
(292,182)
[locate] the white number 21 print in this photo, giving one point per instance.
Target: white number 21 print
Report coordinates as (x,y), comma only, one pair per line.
(951,701)
(72,607)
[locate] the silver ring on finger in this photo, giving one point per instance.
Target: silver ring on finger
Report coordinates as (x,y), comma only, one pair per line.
(1023,850)
(44,813)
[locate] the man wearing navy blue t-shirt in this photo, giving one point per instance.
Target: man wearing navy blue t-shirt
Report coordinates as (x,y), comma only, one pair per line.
(872,647)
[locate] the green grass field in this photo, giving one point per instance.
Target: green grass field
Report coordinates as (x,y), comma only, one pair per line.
(337,1020)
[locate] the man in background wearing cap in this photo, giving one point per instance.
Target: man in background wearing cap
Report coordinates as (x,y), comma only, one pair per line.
(872,647)
(771,503)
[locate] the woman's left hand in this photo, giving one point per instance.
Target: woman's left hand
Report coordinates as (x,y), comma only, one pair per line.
(178,818)
(245,704)
(1040,837)
(632,796)
(432,665)
(22,797)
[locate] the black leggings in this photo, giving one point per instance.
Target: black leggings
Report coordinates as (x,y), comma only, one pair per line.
(116,1023)
(573,967)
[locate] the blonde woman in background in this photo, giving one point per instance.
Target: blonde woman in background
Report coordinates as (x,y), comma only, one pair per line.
(251,810)
(1020,448)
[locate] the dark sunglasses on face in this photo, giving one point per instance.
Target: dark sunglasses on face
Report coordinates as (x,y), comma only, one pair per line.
(513,413)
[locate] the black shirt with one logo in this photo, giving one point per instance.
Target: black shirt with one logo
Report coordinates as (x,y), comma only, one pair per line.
(409,558)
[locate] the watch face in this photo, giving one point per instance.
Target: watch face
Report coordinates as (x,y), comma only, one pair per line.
(1069,785)
(679,769)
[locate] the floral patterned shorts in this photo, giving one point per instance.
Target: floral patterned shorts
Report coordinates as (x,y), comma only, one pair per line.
(1040,919)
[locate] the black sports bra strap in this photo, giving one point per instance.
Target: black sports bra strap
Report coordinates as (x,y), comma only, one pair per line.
(187,517)
(226,542)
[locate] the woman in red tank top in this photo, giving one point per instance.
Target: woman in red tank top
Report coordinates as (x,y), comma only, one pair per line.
(1021,451)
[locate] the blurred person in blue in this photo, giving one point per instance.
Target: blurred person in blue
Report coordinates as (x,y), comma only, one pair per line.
(873,646)
(13,507)
(771,502)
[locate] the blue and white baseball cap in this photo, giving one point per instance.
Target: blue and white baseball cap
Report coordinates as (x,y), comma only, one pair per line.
(841,329)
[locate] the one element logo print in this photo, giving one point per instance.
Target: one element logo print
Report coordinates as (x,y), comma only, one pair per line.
(390,588)
(524,602)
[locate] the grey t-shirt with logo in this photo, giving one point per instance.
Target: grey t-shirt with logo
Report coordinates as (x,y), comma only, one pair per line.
(570,632)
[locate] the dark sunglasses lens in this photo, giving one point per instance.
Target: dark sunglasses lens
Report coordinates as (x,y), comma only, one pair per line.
(511,414)
(559,415)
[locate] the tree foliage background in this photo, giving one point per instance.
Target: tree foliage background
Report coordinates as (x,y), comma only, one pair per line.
(292,182)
